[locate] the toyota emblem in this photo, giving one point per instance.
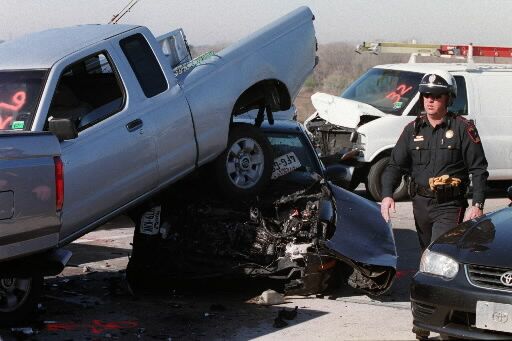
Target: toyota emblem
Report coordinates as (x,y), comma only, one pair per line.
(506,278)
(500,317)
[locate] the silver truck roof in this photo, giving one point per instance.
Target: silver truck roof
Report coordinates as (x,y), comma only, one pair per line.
(450,67)
(41,50)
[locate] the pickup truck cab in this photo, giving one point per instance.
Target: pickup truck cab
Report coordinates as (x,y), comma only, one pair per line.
(361,126)
(96,119)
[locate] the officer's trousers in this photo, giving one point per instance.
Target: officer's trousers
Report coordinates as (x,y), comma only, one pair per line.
(433,220)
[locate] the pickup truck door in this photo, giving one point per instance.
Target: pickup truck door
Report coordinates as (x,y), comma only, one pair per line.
(161,101)
(113,160)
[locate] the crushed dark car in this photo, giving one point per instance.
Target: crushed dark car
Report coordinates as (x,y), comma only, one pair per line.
(299,230)
(464,286)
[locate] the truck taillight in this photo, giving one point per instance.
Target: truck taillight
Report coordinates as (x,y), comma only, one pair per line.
(59,183)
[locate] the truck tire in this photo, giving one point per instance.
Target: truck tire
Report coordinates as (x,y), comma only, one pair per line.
(374,182)
(18,299)
(245,167)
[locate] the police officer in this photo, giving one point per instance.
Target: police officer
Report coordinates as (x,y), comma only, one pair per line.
(437,143)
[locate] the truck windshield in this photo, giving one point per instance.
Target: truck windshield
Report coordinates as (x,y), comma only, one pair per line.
(390,91)
(19,95)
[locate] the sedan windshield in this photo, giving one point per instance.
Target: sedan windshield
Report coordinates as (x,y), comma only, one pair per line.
(20,92)
(390,91)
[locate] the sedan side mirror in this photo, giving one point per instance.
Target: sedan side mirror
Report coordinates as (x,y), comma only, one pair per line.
(63,128)
(338,174)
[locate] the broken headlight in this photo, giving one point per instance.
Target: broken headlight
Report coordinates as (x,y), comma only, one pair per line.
(434,263)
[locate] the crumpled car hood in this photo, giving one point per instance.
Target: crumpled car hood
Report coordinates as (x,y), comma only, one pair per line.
(341,111)
(364,238)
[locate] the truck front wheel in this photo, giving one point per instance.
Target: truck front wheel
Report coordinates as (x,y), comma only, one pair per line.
(18,298)
(374,184)
(245,167)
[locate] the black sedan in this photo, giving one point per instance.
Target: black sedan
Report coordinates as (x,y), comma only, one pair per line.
(299,230)
(463,288)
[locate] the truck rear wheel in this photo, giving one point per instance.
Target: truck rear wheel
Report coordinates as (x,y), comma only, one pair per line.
(245,167)
(18,299)
(374,184)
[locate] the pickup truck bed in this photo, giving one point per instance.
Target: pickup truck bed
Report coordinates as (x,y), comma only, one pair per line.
(29,218)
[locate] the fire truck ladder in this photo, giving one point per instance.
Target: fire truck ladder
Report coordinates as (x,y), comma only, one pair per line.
(436,50)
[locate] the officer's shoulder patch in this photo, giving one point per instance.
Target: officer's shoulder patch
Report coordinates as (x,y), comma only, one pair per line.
(465,121)
(469,126)
(473,133)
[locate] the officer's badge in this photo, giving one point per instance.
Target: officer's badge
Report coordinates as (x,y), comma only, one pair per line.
(473,134)
(449,134)
(432,78)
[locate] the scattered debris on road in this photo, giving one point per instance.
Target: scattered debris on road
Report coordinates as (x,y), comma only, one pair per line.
(270,297)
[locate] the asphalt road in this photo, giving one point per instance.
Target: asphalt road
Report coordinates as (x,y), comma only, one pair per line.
(91,300)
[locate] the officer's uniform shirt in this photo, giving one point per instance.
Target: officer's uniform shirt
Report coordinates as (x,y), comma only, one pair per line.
(452,147)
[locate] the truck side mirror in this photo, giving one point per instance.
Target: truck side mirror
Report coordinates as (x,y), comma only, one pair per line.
(63,128)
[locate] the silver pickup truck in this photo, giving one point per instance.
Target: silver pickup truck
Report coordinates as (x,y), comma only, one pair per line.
(96,119)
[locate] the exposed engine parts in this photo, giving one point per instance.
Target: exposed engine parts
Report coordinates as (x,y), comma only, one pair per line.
(278,239)
(306,239)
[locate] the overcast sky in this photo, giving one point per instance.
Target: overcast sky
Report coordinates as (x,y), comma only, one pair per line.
(208,22)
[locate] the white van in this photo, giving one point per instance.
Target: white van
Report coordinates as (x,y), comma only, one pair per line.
(360,127)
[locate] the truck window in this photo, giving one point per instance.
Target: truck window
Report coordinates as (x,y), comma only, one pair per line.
(20,92)
(390,91)
(87,92)
(144,64)
(460,105)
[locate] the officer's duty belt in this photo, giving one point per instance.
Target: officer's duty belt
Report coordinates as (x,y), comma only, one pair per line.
(425,191)
(443,193)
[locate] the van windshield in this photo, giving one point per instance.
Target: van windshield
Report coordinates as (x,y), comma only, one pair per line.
(20,92)
(390,91)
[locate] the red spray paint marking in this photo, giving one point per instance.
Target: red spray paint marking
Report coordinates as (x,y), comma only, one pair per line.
(4,123)
(395,96)
(404,273)
(96,326)
(18,100)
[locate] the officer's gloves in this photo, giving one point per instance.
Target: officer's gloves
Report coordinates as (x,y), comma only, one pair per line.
(443,180)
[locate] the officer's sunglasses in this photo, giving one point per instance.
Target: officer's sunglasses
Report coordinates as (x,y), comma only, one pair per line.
(433,96)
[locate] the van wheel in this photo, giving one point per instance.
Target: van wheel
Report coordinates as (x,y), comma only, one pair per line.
(18,299)
(375,184)
(245,167)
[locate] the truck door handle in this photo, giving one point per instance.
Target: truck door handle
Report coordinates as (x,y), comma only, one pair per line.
(134,125)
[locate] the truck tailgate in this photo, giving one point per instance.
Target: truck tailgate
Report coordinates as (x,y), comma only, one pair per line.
(29,219)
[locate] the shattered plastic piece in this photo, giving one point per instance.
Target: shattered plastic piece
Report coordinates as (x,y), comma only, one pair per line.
(25,331)
(288,314)
(271,297)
